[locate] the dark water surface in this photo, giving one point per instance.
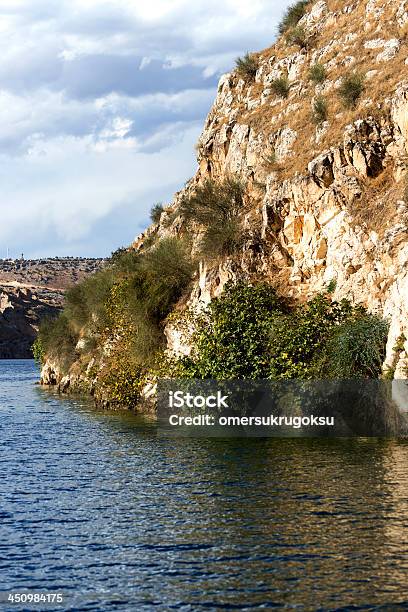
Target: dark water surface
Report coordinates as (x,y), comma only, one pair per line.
(97,506)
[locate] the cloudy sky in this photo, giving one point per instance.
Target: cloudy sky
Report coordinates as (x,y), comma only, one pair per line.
(101,103)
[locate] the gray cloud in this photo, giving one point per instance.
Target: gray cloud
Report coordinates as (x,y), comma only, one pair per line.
(96,96)
(94,76)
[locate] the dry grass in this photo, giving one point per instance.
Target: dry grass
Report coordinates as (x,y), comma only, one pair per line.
(271,117)
(377,206)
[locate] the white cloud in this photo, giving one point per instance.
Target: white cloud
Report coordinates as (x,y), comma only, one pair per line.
(100,105)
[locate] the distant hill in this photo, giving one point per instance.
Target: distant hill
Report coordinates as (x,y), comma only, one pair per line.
(56,272)
(31,290)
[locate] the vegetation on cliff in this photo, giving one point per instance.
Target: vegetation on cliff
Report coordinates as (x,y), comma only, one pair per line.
(249,332)
(113,323)
(215,209)
(115,318)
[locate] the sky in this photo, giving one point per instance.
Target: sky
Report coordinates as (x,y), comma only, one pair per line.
(101,104)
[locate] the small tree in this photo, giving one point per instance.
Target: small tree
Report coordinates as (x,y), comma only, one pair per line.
(247,66)
(351,88)
(281,87)
(317,73)
(156,212)
(319,110)
(216,207)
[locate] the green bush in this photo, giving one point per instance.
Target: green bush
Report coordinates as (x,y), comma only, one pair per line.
(156,212)
(232,337)
(292,16)
(58,340)
(281,87)
(331,286)
(216,207)
(297,36)
(357,348)
(317,73)
(297,339)
(139,300)
(121,380)
(85,302)
(128,300)
(250,333)
(319,114)
(351,88)
(247,66)
(125,264)
(162,276)
(38,351)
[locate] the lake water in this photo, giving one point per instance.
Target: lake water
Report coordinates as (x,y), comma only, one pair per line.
(100,508)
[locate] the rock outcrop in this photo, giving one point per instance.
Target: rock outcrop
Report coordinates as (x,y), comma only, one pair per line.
(329,202)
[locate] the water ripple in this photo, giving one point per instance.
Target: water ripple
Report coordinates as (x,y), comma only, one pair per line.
(96,506)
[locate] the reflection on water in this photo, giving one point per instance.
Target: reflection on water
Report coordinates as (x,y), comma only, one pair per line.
(99,507)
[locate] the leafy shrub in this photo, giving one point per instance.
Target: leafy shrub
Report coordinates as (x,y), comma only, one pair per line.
(126,301)
(351,88)
(38,351)
(58,340)
(297,339)
(250,333)
(357,348)
(156,212)
(121,380)
(319,114)
(281,87)
(292,16)
(140,299)
(216,208)
(125,264)
(232,337)
(247,66)
(297,36)
(85,302)
(317,73)
(331,286)
(163,274)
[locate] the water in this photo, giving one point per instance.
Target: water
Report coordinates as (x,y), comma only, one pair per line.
(97,506)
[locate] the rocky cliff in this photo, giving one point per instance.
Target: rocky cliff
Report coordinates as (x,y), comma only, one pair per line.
(21,310)
(31,290)
(324,164)
(329,202)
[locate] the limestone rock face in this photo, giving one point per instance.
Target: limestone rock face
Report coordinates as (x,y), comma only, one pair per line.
(329,203)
